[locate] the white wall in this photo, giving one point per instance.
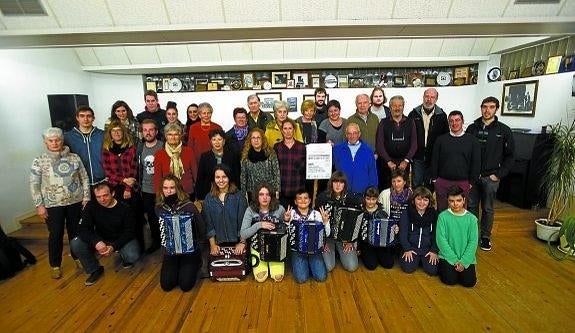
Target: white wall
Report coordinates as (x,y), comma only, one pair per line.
(29,75)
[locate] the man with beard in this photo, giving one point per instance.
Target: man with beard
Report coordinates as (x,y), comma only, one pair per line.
(256,117)
(430,122)
(153,111)
(377,100)
(320,107)
(146,150)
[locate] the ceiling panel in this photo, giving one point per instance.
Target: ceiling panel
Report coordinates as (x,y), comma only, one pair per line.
(204,52)
(365,9)
(394,48)
(29,22)
(268,51)
(86,13)
(305,10)
(194,11)
(421,9)
(477,8)
(425,47)
(482,46)
(506,43)
(138,12)
(236,52)
(453,47)
(330,49)
(173,53)
(87,56)
(142,54)
(532,10)
(252,11)
(362,48)
(568,9)
(110,56)
(299,50)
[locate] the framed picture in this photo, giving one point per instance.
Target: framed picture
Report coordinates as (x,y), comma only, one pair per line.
(519,98)
(312,97)
(267,100)
(290,83)
(248,80)
(513,74)
(301,80)
(315,81)
(280,79)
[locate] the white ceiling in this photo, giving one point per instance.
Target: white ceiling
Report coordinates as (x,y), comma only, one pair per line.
(146,36)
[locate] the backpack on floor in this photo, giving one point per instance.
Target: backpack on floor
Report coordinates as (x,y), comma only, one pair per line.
(11,252)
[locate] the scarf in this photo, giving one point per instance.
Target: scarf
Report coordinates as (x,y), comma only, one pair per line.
(171,200)
(176,165)
(241,132)
(256,156)
(117,149)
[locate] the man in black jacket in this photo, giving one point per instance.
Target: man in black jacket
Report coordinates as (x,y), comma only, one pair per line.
(107,227)
(430,122)
(497,157)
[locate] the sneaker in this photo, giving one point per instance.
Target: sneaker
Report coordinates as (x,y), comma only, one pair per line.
(56,272)
(127,265)
(78,264)
(95,276)
(485,244)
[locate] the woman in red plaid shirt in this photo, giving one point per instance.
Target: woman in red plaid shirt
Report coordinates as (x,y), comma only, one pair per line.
(120,167)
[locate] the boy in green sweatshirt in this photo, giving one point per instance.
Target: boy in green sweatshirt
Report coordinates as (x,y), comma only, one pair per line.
(456,238)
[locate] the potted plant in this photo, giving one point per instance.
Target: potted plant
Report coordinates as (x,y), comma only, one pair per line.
(566,236)
(559,179)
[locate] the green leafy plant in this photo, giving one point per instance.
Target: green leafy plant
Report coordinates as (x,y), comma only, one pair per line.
(567,230)
(559,179)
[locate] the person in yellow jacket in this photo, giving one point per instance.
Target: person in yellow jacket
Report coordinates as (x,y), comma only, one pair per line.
(273,131)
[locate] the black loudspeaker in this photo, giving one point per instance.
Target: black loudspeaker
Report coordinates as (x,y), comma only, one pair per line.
(63,109)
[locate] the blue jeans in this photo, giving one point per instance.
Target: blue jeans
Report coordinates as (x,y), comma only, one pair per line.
(302,264)
(483,192)
(87,254)
(349,260)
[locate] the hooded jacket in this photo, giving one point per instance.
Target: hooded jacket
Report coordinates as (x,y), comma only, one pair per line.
(89,148)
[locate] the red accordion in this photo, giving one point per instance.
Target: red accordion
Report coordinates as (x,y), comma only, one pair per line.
(228,266)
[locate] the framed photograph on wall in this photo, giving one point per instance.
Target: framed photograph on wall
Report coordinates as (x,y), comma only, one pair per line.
(267,100)
(301,80)
(519,98)
(280,79)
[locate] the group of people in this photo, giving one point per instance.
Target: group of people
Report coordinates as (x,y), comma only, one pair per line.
(153,168)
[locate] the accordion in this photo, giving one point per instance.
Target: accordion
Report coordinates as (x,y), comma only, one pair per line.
(380,232)
(346,223)
(178,233)
(273,243)
(309,237)
(227,266)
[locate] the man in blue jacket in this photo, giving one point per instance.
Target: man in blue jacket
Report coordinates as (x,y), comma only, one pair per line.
(356,160)
(497,158)
(86,141)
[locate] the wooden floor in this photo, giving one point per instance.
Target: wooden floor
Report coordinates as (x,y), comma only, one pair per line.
(520,289)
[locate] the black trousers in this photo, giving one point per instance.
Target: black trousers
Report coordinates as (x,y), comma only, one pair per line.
(58,218)
(450,276)
(180,270)
(371,256)
(148,205)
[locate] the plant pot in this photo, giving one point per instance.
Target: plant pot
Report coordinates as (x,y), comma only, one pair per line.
(547,232)
(564,246)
